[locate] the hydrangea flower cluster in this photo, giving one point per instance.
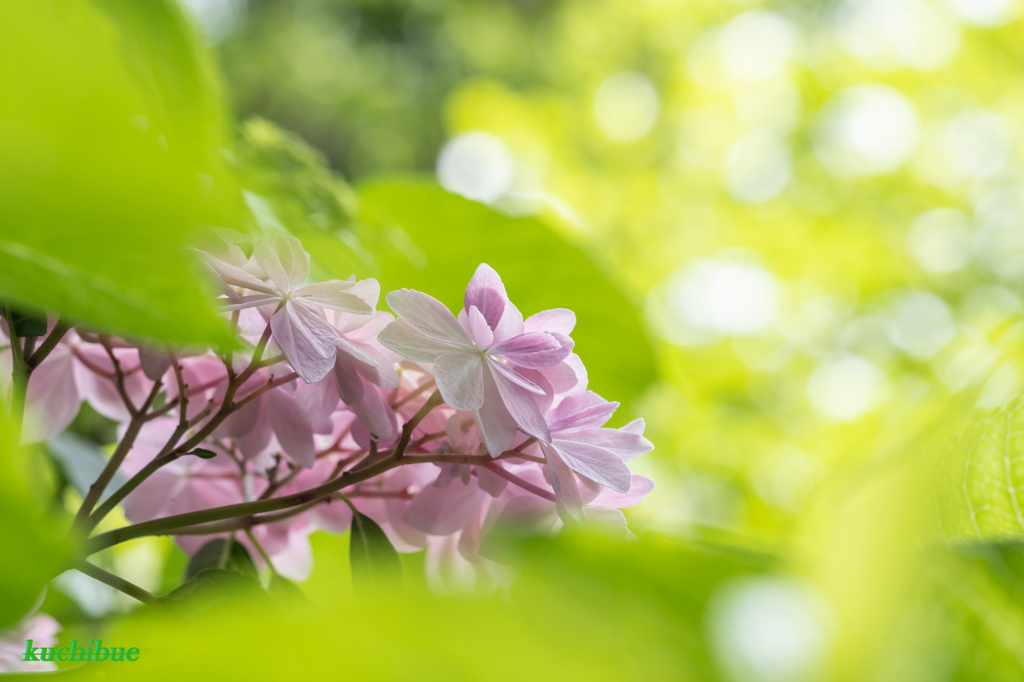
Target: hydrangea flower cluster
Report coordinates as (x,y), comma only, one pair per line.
(439,427)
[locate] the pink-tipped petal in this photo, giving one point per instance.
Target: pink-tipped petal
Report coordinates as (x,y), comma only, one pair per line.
(460,378)
(374,413)
(486,292)
(534,350)
(583,410)
(350,388)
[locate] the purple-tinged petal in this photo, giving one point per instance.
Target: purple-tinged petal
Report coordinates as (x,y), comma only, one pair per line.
(479,330)
(293,432)
(438,511)
(405,340)
(460,379)
(534,350)
(428,316)
(595,463)
(523,407)
(514,376)
(494,423)
(557,321)
(356,352)
(382,373)
(563,482)
(486,293)
(350,388)
(586,409)
(294,259)
(510,325)
(374,413)
(317,401)
(309,343)
(493,484)
(52,398)
(638,489)
(567,377)
(624,444)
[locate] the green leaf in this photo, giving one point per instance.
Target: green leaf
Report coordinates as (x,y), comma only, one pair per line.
(424,238)
(27,323)
(209,557)
(203,453)
(980,493)
(213,587)
(36,543)
(370,552)
(82,462)
(104,182)
(285,589)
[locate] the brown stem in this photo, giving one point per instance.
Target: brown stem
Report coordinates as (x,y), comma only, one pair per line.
(117,582)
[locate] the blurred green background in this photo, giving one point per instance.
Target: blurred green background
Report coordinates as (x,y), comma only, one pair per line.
(793,233)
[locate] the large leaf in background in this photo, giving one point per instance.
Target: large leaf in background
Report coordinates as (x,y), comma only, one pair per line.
(35,543)
(981,489)
(585,608)
(422,237)
(110,137)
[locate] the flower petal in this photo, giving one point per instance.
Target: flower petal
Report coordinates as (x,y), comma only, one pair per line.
(404,339)
(595,463)
(268,259)
(317,401)
(309,343)
(486,293)
(350,387)
(534,350)
(460,379)
(52,398)
(479,331)
(522,406)
(374,413)
(623,443)
(563,482)
(442,511)
(557,321)
(336,295)
(516,377)
(586,409)
(428,316)
(494,423)
(638,489)
(382,373)
(293,432)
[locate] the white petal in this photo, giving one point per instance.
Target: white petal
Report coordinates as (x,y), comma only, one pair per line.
(308,342)
(460,379)
(428,316)
(408,342)
(523,407)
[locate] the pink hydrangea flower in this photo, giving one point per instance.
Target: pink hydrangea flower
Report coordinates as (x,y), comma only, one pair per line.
(477,358)
(277,271)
